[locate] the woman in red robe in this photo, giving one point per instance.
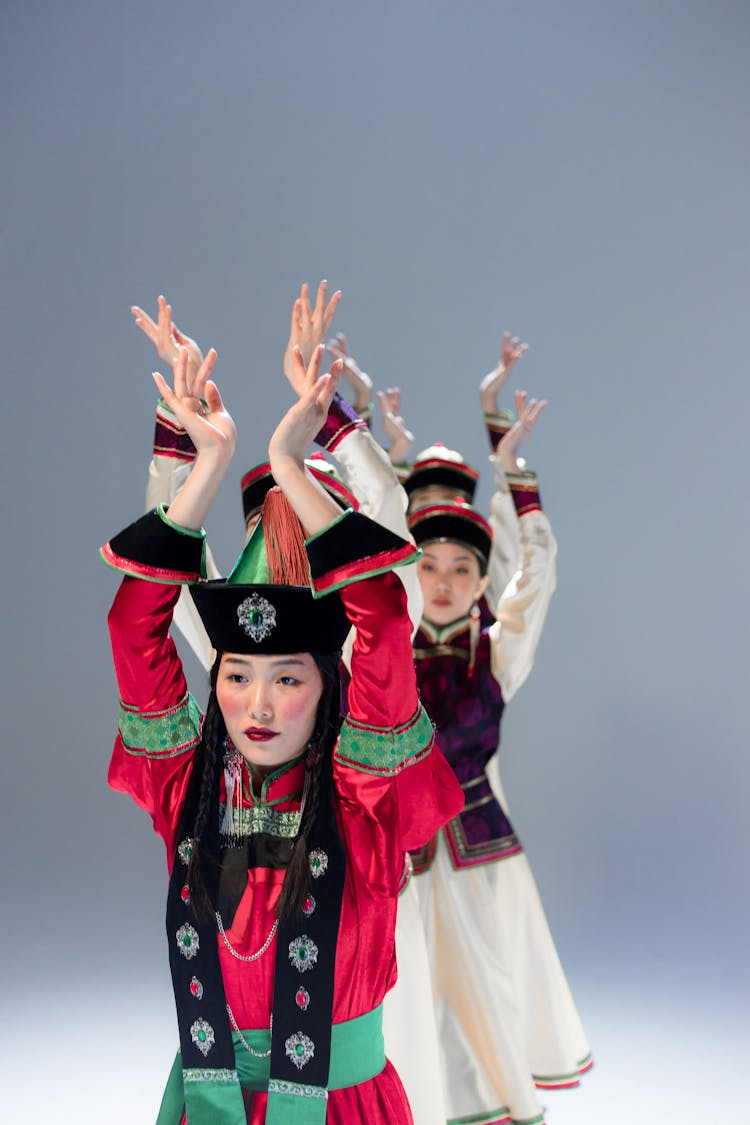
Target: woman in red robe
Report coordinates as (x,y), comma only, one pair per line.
(285,836)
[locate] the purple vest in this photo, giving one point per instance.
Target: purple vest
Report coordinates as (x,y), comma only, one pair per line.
(466,710)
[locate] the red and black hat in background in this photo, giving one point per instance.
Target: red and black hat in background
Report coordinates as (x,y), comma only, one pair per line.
(256,483)
(454,521)
(445,467)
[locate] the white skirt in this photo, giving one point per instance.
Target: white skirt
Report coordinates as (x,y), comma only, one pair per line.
(409,1027)
(506,1020)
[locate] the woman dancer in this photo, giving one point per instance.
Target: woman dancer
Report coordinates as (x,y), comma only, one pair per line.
(285,837)
(506,1021)
(408,1014)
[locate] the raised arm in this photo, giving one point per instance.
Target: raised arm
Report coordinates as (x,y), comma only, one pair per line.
(173,459)
(522,608)
(505,533)
(159,723)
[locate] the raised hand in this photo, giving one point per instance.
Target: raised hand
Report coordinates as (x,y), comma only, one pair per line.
(296,430)
(308,327)
(208,424)
(522,428)
(400,437)
(167,338)
(493,382)
(359,381)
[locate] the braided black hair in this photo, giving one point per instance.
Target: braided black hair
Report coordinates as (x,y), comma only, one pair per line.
(297,878)
(202,869)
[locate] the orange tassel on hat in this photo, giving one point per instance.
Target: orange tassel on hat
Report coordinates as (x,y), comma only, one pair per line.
(285,541)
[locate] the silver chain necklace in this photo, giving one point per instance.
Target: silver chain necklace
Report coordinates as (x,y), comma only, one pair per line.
(249,956)
(243,1041)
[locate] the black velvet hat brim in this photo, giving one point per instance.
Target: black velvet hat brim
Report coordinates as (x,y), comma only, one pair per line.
(275,619)
(433,528)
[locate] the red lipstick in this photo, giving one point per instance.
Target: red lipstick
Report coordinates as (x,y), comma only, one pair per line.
(260,734)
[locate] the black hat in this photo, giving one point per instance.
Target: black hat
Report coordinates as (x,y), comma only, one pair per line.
(266,605)
(442,466)
(453,520)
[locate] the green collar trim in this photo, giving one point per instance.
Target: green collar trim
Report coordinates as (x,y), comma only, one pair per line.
(439,634)
(261,818)
(270,779)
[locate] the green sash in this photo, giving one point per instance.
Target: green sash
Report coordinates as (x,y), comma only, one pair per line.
(214,1097)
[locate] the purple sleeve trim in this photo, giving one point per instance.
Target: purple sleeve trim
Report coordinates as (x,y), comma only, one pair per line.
(342,419)
(171,440)
(498,426)
(525,492)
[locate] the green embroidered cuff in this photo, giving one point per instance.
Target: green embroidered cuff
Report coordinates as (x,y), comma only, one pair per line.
(385,750)
(161,734)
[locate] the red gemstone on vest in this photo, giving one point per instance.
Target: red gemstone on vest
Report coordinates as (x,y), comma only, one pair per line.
(308,905)
(185,893)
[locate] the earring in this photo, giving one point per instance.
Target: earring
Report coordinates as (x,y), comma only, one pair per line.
(474,624)
(231,825)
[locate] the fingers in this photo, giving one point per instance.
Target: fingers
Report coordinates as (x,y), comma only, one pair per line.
(163,388)
(330,311)
(313,369)
(320,301)
(300,374)
(325,387)
(212,396)
(534,412)
(144,322)
(296,314)
(520,397)
(204,373)
(304,298)
(179,367)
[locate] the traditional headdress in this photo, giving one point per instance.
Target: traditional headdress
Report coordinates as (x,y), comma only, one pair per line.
(442,466)
(453,520)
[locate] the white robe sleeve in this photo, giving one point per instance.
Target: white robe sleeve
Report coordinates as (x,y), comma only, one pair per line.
(522,608)
(369,474)
(506,536)
(170,466)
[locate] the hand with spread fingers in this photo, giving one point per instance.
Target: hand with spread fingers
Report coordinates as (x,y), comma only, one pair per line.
(293,435)
(494,381)
(399,435)
(167,338)
(297,429)
(308,327)
(520,431)
(208,423)
(359,381)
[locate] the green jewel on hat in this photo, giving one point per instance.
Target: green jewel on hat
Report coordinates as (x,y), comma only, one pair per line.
(256,616)
(266,605)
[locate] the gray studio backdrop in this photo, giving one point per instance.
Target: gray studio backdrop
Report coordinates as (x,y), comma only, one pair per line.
(576,172)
